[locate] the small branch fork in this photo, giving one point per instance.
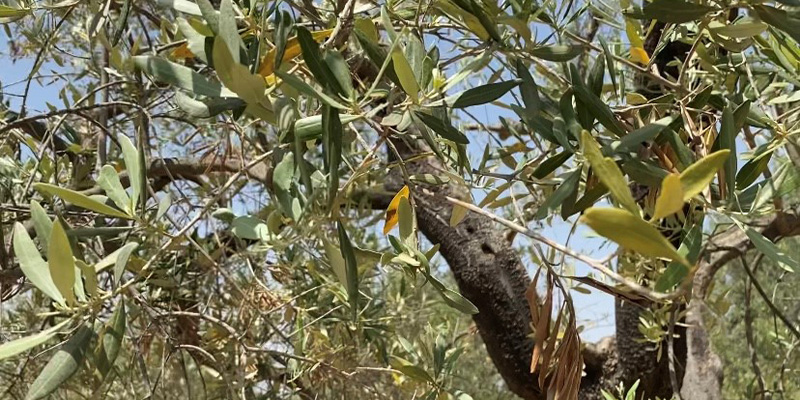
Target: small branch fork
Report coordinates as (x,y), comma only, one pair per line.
(343,25)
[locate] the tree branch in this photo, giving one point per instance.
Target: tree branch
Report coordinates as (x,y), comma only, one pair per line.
(703,377)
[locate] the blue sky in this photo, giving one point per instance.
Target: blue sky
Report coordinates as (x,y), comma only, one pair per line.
(594,310)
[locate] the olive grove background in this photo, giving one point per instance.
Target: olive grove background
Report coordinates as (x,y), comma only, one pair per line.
(404,199)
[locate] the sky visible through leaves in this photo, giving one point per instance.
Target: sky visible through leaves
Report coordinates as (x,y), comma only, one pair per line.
(595,310)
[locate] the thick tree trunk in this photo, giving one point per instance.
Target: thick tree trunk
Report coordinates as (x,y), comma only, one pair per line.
(488,272)
(491,275)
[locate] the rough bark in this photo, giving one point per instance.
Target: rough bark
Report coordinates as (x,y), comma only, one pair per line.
(491,275)
(638,358)
(488,272)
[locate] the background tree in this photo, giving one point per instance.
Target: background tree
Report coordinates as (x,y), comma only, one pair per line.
(200,216)
(770,341)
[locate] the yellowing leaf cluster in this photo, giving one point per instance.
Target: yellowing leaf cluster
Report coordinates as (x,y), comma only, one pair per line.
(634,233)
(637,52)
(678,189)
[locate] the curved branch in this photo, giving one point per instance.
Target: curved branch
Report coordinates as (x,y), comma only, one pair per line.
(164,171)
(778,313)
(488,271)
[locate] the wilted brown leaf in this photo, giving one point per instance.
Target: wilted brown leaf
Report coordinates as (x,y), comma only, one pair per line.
(556,355)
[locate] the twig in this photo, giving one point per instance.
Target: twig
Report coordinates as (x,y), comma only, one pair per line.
(197,349)
(205,208)
(203,211)
(673,377)
(748,326)
(39,55)
(769,302)
(102,137)
(688,58)
(21,122)
(343,24)
(63,113)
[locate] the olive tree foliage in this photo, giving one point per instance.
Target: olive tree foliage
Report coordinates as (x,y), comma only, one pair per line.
(256,199)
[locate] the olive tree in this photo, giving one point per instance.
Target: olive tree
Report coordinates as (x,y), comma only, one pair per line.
(251,199)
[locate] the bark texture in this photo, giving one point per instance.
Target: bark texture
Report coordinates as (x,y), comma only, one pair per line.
(488,272)
(491,275)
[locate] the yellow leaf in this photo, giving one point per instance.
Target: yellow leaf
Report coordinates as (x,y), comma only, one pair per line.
(632,30)
(457,215)
(670,200)
(182,51)
(405,74)
(391,213)
(60,262)
(631,232)
(699,175)
(639,55)
(267,66)
(635,99)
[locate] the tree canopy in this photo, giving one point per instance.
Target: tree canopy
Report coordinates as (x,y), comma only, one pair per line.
(350,199)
